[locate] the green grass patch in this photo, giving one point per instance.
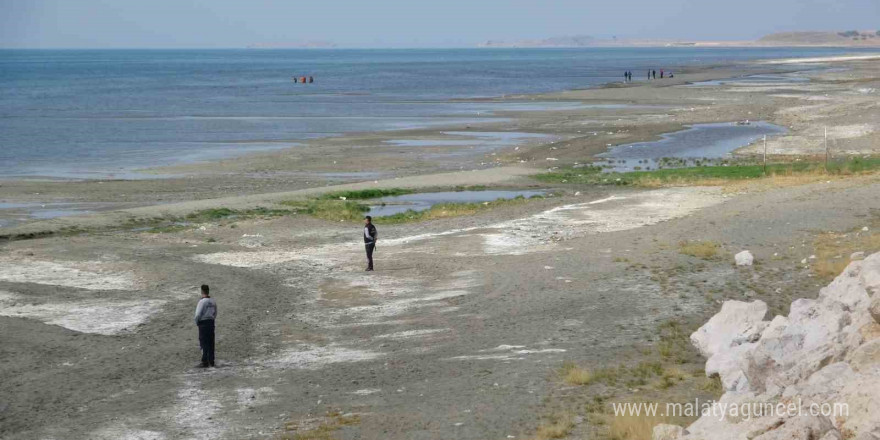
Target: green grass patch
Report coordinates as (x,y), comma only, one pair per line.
(364,194)
(700,249)
(445,210)
(222,213)
(168,229)
(594,176)
(333,210)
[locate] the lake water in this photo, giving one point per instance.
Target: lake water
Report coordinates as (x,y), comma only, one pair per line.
(100,113)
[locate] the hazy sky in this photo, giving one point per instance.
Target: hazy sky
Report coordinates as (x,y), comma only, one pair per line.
(407,23)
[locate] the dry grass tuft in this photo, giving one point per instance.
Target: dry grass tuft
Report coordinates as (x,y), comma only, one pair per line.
(635,427)
(573,374)
(324,430)
(833,250)
(712,385)
(558,426)
(700,249)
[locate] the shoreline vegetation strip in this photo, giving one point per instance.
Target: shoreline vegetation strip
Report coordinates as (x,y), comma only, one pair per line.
(593,175)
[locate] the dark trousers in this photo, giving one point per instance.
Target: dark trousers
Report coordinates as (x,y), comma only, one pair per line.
(370,247)
(206,341)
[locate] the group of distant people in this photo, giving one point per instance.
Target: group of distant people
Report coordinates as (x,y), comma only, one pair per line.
(652,74)
(303,80)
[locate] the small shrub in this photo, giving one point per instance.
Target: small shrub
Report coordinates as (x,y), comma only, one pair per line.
(631,427)
(700,249)
(712,385)
(558,426)
(572,374)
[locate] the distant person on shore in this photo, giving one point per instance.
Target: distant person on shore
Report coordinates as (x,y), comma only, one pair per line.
(661,73)
(671,75)
(654,73)
(294,80)
(649,74)
(311,79)
(206,313)
(370,237)
(303,80)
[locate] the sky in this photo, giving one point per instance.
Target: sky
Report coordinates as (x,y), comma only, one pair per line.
(412,23)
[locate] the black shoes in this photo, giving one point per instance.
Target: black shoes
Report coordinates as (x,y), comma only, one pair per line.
(202,366)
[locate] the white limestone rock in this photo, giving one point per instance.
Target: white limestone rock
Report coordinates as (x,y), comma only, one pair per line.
(744,258)
(870,274)
(737,322)
(825,352)
(799,428)
(874,308)
(667,432)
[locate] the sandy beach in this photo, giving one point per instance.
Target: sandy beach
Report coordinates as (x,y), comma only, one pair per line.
(463,328)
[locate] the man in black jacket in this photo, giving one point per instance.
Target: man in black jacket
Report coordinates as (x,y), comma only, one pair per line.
(370,237)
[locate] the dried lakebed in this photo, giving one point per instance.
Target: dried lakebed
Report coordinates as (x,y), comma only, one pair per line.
(421,306)
(457,334)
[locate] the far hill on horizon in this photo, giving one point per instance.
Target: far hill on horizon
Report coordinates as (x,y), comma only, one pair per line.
(852,38)
(843,38)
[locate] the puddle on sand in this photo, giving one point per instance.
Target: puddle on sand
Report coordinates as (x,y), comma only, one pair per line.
(12,214)
(335,176)
(485,139)
(696,142)
(422,201)
(751,80)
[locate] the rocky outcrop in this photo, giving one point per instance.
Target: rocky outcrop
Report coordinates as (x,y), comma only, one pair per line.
(811,375)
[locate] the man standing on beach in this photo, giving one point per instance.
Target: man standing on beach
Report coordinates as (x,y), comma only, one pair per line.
(206,313)
(370,237)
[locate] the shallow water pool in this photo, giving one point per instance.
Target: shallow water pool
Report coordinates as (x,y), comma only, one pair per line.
(422,201)
(700,141)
